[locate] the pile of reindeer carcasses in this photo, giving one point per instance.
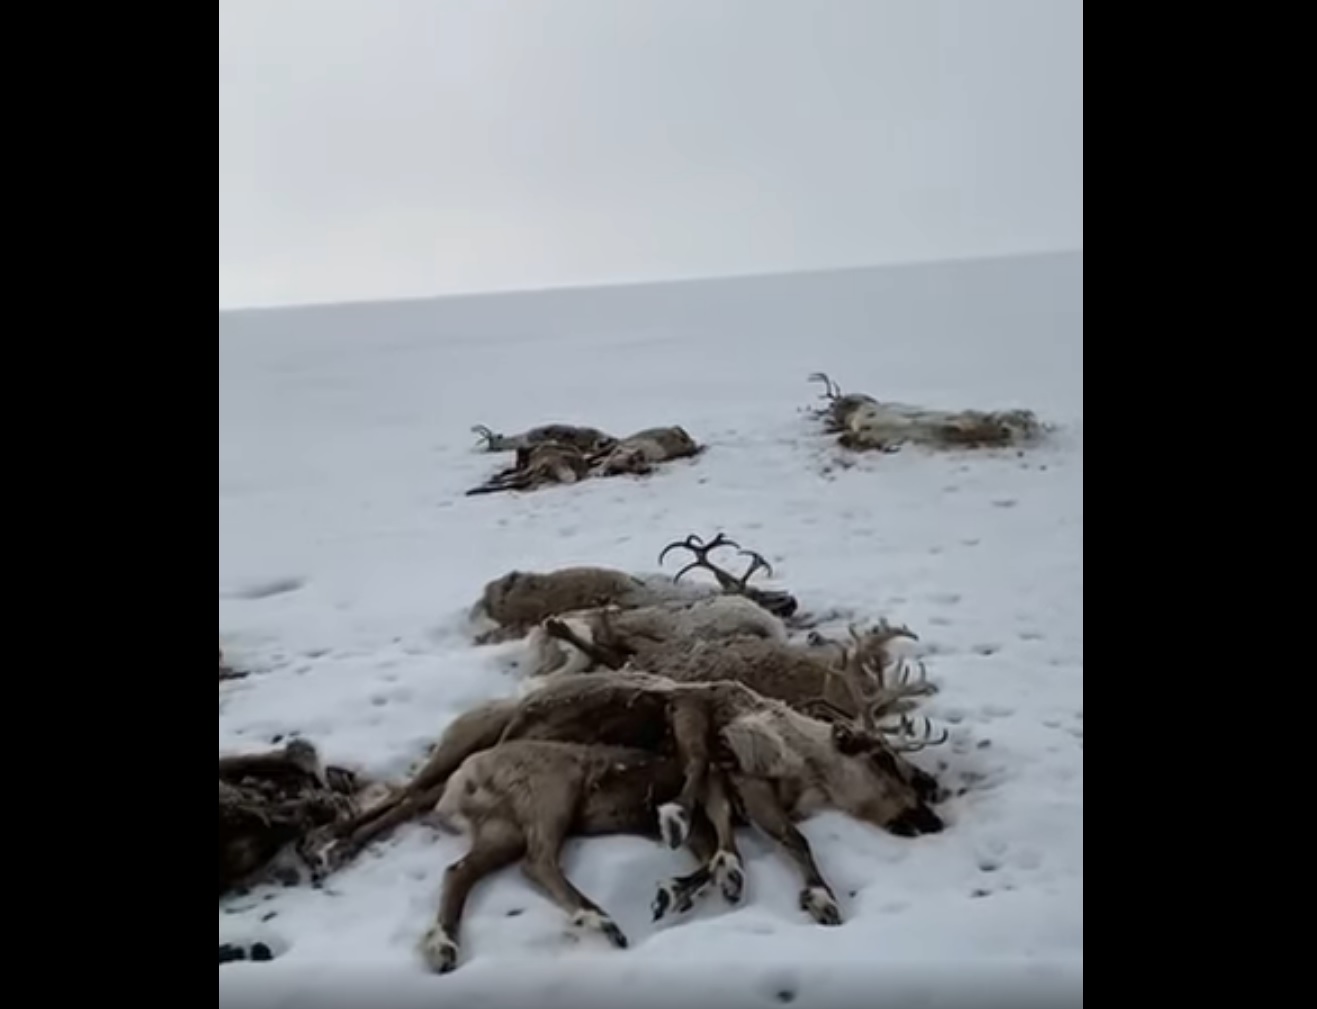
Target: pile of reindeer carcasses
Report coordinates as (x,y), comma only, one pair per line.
(650,705)
(671,708)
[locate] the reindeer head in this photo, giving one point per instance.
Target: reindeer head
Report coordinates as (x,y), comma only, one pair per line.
(894,794)
(678,441)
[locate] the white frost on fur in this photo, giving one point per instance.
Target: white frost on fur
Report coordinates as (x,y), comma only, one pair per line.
(550,656)
(895,423)
(674,823)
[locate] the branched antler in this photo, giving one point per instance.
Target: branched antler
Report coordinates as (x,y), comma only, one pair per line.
(906,739)
(696,545)
(832,391)
(781,604)
(487,436)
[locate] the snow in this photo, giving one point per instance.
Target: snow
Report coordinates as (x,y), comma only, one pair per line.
(348,558)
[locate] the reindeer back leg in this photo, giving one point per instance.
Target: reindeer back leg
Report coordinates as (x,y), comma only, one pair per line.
(470,732)
(547,826)
(495,845)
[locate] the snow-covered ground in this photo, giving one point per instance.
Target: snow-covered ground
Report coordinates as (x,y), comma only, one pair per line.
(348,557)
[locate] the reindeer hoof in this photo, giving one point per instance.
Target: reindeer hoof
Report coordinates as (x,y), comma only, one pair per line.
(674,824)
(673,895)
(663,901)
(439,951)
(820,905)
(597,921)
(731,877)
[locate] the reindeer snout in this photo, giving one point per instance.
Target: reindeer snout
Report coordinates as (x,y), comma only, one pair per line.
(918,820)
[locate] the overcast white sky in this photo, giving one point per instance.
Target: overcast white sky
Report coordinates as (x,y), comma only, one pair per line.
(390,148)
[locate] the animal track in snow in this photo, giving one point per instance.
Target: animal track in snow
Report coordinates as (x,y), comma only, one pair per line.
(266,589)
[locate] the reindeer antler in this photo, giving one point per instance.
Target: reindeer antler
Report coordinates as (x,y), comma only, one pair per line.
(487,436)
(832,391)
(907,741)
(696,545)
(899,695)
(780,604)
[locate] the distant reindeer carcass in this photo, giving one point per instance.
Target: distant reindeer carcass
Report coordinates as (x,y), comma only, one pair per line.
(863,423)
(536,466)
(563,454)
(768,763)
(639,453)
(586,440)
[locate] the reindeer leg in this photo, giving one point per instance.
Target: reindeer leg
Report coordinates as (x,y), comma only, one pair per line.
(761,808)
(500,482)
(727,867)
(355,835)
(495,845)
(472,731)
(712,841)
(679,892)
(556,807)
(599,655)
(690,734)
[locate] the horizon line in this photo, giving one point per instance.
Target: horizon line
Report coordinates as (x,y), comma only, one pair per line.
(658,282)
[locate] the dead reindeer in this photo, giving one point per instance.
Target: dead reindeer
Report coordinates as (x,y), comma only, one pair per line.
(512,605)
(836,415)
(592,710)
(864,423)
(639,453)
(889,426)
(834,682)
(587,440)
(526,794)
(522,800)
(537,466)
(609,628)
(686,721)
(273,799)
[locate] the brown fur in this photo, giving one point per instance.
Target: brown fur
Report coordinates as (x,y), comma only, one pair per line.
(639,453)
(684,720)
(538,466)
(559,454)
(588,440)
(521,800)
(538,785)
(715,618)
(270,799)
(829,679)
(520,600)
